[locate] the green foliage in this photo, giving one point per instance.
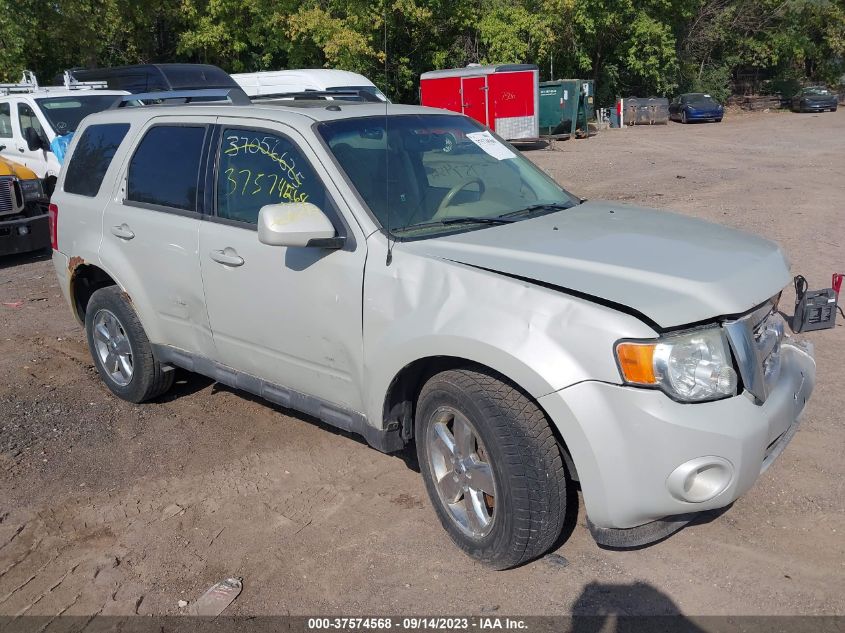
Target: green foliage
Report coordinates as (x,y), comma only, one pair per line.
(714,80)
(642,47)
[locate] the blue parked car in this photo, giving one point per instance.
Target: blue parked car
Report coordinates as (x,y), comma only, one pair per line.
(695,106)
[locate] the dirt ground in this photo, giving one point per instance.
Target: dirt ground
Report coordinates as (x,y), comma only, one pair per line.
(115,508)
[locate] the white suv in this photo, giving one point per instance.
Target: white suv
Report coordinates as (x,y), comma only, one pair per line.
(336,260)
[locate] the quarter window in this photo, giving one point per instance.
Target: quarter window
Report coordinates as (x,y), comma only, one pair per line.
(164,170)
(92,157)
(5,120)
(256,169)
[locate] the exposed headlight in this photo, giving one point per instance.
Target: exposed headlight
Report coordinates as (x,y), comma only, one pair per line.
(33,190)
(691,366)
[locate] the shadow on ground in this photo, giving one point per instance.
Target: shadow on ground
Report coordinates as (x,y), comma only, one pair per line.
(624,608)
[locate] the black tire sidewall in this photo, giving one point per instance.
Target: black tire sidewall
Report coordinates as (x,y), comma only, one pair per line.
(491,547)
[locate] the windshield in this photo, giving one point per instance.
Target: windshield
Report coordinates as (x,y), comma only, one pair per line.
(701,100)
(816,91)
(65,113)
(439,173)
(371,89)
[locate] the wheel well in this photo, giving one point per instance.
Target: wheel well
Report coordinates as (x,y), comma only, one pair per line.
(404,389)
(86,279)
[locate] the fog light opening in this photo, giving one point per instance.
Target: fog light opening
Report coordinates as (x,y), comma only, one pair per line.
(704,483)
(23,230)
(700,479)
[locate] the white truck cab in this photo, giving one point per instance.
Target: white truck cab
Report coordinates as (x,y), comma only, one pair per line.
(32,116)
(305,80)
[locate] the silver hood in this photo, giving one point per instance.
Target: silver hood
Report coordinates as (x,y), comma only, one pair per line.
(674,270)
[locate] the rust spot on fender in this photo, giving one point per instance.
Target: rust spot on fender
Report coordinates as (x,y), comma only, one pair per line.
(126,296)
(74,263)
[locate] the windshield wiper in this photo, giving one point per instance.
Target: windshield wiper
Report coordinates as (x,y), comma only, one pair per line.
(458,220)
(535,207)
(484,220)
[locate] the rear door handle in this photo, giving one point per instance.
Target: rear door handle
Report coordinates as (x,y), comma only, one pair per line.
(228,257)
(123,232)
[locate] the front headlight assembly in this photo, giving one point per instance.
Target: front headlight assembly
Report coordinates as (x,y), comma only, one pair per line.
(692,366)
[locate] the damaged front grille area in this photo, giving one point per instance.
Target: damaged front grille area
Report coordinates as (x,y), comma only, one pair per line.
(755,340)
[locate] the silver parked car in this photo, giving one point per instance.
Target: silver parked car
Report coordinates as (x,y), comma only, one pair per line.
(335,259)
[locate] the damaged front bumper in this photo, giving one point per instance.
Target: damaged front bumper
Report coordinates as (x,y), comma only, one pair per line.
(648,465)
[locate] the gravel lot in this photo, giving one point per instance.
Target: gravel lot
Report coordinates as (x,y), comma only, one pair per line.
(115,508)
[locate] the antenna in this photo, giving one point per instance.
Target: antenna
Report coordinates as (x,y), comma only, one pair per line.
(390,244)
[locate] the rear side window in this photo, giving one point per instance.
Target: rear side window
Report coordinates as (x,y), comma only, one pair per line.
(92,157)
(165,168)
(5,120)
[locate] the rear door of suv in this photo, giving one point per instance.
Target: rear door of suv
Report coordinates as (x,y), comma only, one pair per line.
(151,230)
(291,316)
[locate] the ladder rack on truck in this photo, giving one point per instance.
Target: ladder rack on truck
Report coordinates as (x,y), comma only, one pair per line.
(29,83)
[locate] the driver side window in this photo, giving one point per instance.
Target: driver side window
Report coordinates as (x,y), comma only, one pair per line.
(28,119)
(256,169)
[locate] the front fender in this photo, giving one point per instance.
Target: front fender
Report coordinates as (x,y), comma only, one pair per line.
(541,339)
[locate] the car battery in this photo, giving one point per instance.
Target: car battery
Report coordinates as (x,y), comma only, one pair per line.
(814,309)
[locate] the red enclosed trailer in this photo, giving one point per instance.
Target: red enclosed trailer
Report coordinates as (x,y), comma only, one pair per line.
(504,97)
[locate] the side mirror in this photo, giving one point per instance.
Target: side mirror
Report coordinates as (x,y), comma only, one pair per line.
(296,224)
(33,139)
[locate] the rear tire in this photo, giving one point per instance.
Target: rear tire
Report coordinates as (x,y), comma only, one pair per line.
(513,509)
(121,350)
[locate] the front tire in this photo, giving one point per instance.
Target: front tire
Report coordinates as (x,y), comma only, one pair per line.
(121,350)
(492,467)
(684,117)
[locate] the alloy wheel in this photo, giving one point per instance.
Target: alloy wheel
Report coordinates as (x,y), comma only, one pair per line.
(462,472)
(113,348)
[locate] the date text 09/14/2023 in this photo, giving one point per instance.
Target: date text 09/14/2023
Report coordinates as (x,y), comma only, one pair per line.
(417,623)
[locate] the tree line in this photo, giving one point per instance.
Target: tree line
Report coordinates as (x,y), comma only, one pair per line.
(629,47)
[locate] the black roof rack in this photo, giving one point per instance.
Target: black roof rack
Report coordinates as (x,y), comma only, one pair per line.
(235,96)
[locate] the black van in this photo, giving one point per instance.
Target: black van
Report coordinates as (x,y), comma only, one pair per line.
(157,77)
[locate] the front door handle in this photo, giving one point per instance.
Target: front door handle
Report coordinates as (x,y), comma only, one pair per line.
(123,232)
(228,257)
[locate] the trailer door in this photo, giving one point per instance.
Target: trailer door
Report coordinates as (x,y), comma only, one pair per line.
(474,98)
